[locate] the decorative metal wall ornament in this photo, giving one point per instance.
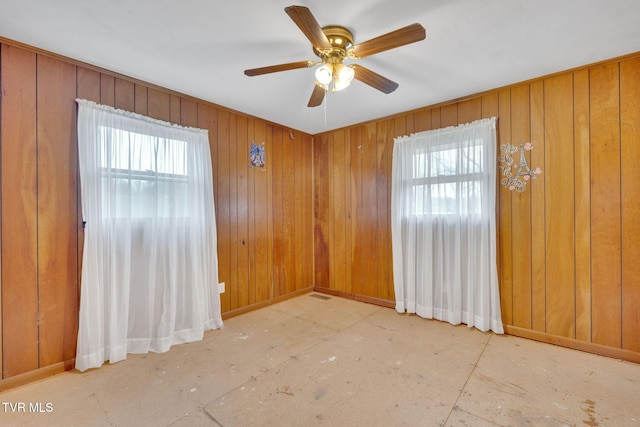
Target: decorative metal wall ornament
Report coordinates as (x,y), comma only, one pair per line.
(518,180)
(257,156)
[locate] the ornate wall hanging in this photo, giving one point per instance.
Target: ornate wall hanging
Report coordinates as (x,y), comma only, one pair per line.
(257,156)
(518,180)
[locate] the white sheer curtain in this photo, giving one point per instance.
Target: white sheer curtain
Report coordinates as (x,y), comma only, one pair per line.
(443,225)
(150,267)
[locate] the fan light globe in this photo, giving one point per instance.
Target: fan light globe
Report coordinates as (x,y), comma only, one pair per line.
(345,74)
(342,77)
(324,74)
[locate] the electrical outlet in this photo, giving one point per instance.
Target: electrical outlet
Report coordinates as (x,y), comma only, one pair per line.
(221,287)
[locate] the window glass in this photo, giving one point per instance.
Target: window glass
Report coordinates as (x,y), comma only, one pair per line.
(447,180)
(145,176)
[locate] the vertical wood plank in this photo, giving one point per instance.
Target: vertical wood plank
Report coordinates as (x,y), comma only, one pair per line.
(630,191)
(422,120)
(159,105)
(298,203)
(251,212)
(470,110)
(242,157)
(382,183)
(141,99)
(223,204)
(538,240)
(188,113)
(357,224)
(19,212)
(605,205)
(309,143)
(277,208)
(410,126)
(339,190)
(436,122)
(88,84)
(330,207)
(234,288)
(261,217)
(368,212)
(107,90)
(489,106)
(505,249)
(270,231)
(583,205)
(391,126)
(174,109)
(449,115)
(559,204)
(521,212)
(57,211)
(124,94)
(321,203)
(288,212)
(349,194)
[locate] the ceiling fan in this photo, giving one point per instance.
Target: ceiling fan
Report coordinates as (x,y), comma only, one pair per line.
(333,44)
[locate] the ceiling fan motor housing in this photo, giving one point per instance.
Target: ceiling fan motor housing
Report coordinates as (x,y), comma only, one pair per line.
(341,41)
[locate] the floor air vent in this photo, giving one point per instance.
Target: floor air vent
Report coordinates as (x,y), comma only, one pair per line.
(322,297)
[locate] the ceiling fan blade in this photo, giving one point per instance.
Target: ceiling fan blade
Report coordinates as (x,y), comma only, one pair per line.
(305,20)
(373,79)
(317,96)
(276,68)
(406,35)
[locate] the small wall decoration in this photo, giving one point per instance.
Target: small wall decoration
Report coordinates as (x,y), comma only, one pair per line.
(257,155)
(518,180)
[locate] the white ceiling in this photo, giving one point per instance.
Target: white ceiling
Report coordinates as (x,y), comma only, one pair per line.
(202,47)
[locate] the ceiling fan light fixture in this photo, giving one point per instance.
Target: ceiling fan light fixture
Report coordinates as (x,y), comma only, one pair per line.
(342,76)
(324,74)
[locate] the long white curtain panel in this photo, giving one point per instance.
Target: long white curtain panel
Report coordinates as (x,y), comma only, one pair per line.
(443,225)
(150,266)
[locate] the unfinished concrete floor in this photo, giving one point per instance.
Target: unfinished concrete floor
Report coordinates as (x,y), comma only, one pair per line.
(319,360)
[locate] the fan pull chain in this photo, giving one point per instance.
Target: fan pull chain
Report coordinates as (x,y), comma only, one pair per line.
(326,99)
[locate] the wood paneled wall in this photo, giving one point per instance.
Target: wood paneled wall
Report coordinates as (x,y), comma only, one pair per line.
(264,216)
(568,246)
(319,213)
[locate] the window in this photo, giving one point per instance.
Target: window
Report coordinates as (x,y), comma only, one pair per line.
(447,180)
(443,226)
(143,176)
(150,266)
